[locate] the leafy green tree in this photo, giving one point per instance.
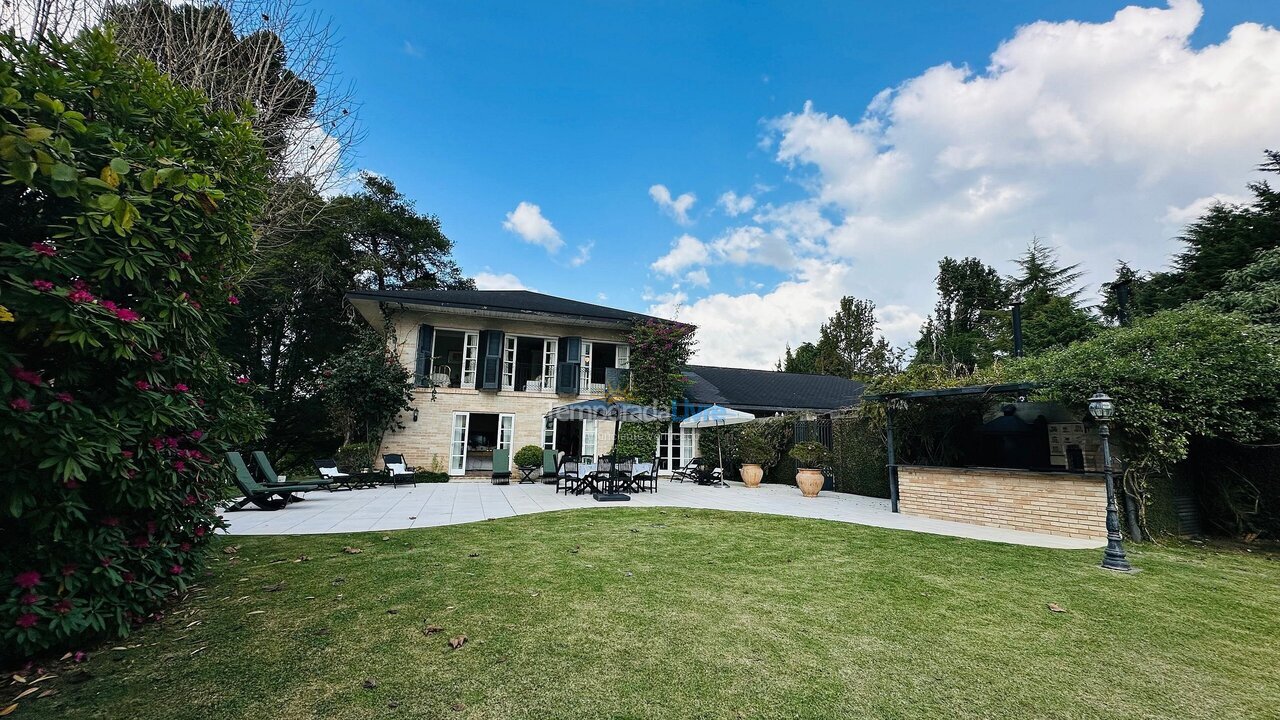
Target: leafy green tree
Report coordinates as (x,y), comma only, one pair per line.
(1253,290)
(660,351)
(127,207)
(393,246)
(365,389)
(1127,280)
(969,322)
(803,360)
(1224,239)
(1051,312)
(849,346)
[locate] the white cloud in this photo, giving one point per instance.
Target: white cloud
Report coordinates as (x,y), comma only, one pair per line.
(750,330)
(583,254)
(698,278)
(734,204)
(498,281)
(527,222)
(678,207)
(1103,138)
(686,251)
(753,245)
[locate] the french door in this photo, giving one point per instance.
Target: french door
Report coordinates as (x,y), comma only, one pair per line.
(675,447)
(458,444)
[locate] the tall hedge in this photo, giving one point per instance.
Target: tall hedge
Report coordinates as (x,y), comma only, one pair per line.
(126,210)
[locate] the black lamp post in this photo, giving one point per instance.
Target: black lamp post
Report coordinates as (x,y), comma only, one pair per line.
(1103,409)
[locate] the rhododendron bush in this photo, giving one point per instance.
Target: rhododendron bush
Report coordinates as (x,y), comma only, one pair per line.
(125,211)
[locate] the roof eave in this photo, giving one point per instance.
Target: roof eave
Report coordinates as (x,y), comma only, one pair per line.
(378,301)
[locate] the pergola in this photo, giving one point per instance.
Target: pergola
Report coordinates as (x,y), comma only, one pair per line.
(892,398)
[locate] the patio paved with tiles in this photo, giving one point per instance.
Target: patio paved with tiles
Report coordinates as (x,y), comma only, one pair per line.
(435,504)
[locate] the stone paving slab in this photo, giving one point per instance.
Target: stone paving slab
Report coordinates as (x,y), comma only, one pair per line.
(435,504)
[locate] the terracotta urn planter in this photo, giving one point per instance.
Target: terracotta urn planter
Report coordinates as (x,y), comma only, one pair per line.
(809,480)
(751,475)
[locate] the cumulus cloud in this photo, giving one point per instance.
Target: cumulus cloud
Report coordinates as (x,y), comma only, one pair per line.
(1103,138)
(686,251)
(734,204)
(498,281)
(678,207)
(698,278)
(527,222)
(751,244)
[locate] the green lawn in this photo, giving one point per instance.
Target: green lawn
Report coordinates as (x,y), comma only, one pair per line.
(669,613)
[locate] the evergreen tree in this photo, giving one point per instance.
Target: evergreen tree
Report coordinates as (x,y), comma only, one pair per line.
(1039,270)
(969,321)
(848,345)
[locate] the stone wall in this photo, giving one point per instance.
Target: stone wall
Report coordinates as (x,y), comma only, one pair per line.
(1055,503)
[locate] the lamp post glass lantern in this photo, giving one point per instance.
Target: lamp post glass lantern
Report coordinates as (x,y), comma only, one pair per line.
(1103,409)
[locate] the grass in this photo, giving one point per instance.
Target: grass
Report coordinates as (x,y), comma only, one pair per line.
(666,613)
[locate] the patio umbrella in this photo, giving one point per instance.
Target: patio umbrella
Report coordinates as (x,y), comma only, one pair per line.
(716,416)
(608,410)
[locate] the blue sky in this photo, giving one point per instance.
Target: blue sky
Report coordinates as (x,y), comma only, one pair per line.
(1100,132)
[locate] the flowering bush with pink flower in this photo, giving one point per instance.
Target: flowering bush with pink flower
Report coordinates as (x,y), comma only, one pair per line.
(114,399)
(660,350)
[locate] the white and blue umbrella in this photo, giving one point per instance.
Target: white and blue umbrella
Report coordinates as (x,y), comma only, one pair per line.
(717,416)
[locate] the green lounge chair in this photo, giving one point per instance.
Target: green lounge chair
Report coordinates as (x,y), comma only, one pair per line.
(501,466)
(271,479)
(550,468)
(266,498)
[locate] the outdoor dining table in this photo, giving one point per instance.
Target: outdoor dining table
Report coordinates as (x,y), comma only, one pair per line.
(603,482)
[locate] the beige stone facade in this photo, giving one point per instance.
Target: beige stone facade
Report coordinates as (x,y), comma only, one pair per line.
(1056,503)
(426,441)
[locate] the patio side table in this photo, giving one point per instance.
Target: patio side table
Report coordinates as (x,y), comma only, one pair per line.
(527,472)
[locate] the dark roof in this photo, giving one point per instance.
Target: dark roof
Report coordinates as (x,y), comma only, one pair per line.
(967,390)
(768,390)
(507,301)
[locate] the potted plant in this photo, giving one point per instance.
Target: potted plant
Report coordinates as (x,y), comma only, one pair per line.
(810,456)
(756,453)
(528,459)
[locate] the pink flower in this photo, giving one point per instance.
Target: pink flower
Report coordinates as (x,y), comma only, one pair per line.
(23,375)
(197,434)
(157,356)
(29,599)
(184,256)
(20,404)
(80,296)
(201,530)
(195,305)
(131,473)
(142,385)
(27,620)
(172,442)
(232,299)
(62,607)
(140,542)
(180,387)
(127,576)
(80,656)
(65,398)
(42,285)
(179,466)
(126,315)
(184,547)
(27,580)
(71,484)
(69,569)
(175,569)
(43,249)
(111,521)
(157,443)
(126,454)
(242,379)
(108,305)
(189,500)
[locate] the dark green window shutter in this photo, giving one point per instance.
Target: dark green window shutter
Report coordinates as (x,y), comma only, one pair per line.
(568,369)
(491,342)
(423,364)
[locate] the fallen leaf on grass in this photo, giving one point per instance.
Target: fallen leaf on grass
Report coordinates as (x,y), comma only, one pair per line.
(198,650)
(457,642)
(8,710)
(256,612)
(1055,607)
(459,707)
(432,630)
(370,683)
(47,693)
(26,692)
(386,538)
(277,587)
(303,558)
(231,549)
(352,550)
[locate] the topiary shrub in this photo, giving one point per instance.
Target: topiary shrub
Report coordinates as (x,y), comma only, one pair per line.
(529,456)
(126,208)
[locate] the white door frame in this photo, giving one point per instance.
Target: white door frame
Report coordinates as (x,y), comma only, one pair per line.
(453,441)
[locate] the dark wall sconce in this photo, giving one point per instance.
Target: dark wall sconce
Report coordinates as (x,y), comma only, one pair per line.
(415,414)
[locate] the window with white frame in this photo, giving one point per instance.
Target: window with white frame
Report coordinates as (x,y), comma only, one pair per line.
(584,384)
(550,348)
(509,363)
(470,352)
(589,437)
(548,434)
(622,360)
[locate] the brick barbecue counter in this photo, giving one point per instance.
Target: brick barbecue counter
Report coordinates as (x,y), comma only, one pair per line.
(1057,503)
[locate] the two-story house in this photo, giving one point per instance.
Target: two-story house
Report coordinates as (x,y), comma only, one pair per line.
(489,364)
